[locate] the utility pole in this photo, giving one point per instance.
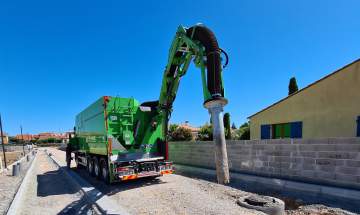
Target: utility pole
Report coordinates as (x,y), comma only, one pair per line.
(22,138)
(2,142)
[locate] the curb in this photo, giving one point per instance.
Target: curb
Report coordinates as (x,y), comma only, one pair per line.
(16,203)
(93,195)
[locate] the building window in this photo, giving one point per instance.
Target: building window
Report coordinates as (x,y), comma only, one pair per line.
(282,130)
(358,127)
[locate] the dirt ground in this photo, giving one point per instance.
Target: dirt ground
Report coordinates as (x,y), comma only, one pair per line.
(11,157)
(318,210)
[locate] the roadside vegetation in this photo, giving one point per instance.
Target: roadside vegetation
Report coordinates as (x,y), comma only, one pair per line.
(179,133)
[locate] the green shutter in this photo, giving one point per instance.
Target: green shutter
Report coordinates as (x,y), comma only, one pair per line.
(286,130)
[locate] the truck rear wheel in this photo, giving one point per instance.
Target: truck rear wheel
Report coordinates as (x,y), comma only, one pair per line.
(96,167)
(78,165)
(90,166)
(104,171)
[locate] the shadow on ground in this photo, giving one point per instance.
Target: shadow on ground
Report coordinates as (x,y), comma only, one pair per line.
(78,207)
(53,183)
(119,186)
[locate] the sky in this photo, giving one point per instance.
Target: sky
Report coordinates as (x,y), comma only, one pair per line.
(57,57)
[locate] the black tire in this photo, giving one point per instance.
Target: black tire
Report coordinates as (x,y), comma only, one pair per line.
(105,176)
(78,166)
(90,166)
(97,169)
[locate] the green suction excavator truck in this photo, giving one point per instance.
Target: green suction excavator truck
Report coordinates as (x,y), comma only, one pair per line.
(119,139)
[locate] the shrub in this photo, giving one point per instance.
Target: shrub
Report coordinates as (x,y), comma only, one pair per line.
(243,133)
(205,133)
(181,134)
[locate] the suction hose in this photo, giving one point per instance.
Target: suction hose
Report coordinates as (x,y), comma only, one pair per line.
(217,101)
(207,38)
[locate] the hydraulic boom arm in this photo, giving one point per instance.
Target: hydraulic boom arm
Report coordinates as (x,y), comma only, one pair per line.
(196,43)
(199,44)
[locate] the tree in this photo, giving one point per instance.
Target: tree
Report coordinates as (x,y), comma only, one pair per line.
(244,125)
(181,134)
(205,133)
(227,126)
(243,133)
(171,130)
(233,126)
(293,86)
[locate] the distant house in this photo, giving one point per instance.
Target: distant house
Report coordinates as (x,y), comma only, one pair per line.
(194,130)
(6,138)
(47,135)
(329,107)
(25,137)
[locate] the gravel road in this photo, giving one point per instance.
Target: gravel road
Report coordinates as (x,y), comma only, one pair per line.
(177,194)
(49,191)
(170,194)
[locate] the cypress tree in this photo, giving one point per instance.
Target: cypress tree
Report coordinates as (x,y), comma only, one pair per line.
(293,87)
(233,126)
(227,126)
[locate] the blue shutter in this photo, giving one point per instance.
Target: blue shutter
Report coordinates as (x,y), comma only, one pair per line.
(265,131)
(358,127)
(296,130)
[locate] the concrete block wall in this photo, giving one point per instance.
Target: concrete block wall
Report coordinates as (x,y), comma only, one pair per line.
(331,161)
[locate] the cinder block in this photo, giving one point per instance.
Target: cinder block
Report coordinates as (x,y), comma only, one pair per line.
(307,148)
(344,140)
(275,164)
(286,147)
(326,168)
(258,146)
(348,170)
(307,173)
(352,163)
(308,167)
(348,147)
(307,154)
(288,172)
(308,161)
(295,166)
(338,155)
(328,176)
(317,141)
(346,178)
(333,162)
(324,147)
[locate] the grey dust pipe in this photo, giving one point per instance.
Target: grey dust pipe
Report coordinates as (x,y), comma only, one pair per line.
(215,108)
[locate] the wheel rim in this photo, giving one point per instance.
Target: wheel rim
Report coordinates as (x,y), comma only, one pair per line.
(90,166)
(104,172)
(96,168)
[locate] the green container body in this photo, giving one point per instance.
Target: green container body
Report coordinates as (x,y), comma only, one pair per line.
(108,117)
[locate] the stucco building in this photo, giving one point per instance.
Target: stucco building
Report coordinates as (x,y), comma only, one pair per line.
(329,107)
